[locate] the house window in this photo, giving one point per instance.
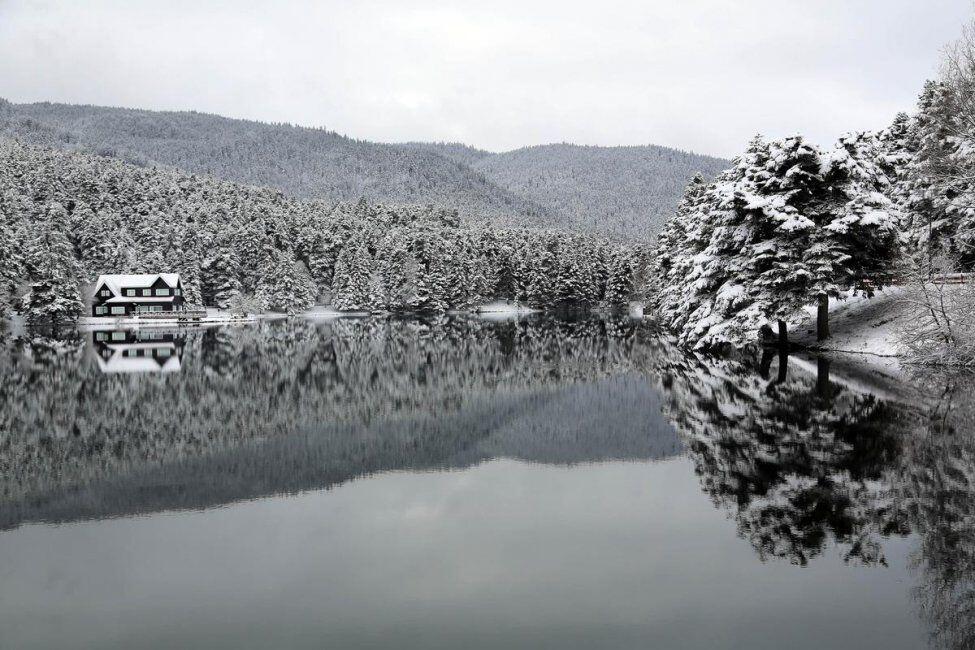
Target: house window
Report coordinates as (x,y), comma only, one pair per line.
(178,292)
(104,293)
(101,310)
(130,292)
(164,352)
(162,292)
(118,309)
(118,336)
(147,292)
(101,336)
(155,307)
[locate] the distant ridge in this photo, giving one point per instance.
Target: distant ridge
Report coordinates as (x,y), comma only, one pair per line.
(625,192)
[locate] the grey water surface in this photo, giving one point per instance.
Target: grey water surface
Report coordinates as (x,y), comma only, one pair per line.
(534,483)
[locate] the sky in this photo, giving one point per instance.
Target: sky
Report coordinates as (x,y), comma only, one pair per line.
(700,75)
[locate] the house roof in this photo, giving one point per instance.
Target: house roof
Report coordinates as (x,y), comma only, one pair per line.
(120,363)
(139,299)
(143,281)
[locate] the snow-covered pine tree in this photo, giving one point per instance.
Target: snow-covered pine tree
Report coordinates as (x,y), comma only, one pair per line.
(353,281)
(285,286)
(190,262)
(708,297)
(936,192)
(856,243)
(685,235)
(433,287)
(397,269)
(782,216)
(220,277)
(54,299)
(619,287)
(735,258)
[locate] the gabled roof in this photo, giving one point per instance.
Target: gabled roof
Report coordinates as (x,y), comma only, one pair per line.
(120,363)
(117,282)
(140,299)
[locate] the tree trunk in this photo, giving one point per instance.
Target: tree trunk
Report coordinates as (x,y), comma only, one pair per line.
(783,366)
(783,335)
(766,364)
(822,318)
(822,378)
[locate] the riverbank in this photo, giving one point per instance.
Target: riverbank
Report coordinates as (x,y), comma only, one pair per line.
(213,317)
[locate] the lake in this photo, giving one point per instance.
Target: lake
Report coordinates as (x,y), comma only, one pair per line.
(543,482)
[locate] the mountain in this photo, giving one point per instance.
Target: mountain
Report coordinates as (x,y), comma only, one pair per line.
(620,191)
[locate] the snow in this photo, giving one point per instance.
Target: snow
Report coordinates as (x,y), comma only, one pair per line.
(134,281)
(860,325)
(504,307)
(119,363)
(127,299)
(326,312)
(91,323)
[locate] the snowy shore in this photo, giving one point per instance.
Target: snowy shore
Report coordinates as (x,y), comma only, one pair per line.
(860,325)
(867,331)
(213,317)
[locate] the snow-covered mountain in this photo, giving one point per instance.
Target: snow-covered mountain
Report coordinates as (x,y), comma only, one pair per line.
(624,191)
(621,191)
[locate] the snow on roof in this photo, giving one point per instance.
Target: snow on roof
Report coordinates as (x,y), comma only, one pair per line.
(141,346)
(139,299)
(117,282)
(120,363)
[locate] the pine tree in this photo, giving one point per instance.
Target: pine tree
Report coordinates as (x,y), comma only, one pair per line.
(11,265)
(353,278)
(619,287)
(940,180)
(285,286)
(220,284)
(54,299)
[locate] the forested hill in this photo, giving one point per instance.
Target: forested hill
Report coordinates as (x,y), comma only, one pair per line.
(67,217)
(621,191)
(302,162)
(615,190)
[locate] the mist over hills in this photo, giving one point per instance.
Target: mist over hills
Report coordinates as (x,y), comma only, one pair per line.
(619,191)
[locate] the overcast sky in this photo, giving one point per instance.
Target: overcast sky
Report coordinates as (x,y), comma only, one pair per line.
(703,75)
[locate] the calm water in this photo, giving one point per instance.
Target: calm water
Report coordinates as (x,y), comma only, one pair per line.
(537,483)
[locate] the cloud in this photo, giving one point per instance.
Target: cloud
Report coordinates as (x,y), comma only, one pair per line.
(696,74)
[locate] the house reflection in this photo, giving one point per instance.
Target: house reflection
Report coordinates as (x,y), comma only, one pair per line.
(126,351)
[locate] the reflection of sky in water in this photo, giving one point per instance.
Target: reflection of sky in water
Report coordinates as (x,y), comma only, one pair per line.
(138,350)
(620,554)
(526,483)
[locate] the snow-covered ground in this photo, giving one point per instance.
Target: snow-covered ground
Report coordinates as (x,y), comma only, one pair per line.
(213,317)
(325,312)
(866,330)
(860,325)
(504,307)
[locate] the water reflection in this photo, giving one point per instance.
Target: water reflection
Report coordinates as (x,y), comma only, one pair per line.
(935,489)
(290,406)
(801,461)
(134,350)
(806,460)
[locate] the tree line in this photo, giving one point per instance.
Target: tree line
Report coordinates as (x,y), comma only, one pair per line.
(68,217)
(790,225)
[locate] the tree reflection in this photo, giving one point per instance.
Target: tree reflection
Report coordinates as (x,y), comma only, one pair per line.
(294,405)
(936,489)
(802,458)
(799,460)
(802,462)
